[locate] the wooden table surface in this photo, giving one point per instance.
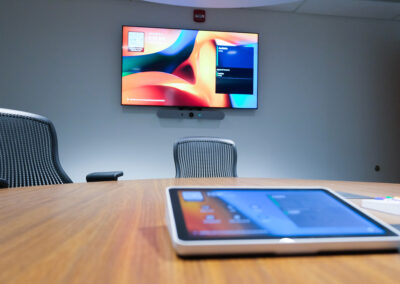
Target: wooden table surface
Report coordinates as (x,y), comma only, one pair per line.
(114,232)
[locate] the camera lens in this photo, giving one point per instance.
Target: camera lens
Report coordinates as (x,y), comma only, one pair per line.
(191,114)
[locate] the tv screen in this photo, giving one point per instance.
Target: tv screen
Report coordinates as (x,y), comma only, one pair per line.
(189,68)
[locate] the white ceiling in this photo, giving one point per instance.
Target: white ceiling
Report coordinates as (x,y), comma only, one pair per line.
(221,3)
(375,9)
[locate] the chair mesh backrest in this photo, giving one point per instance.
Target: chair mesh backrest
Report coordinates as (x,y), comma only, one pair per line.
(205,157)
(28,150)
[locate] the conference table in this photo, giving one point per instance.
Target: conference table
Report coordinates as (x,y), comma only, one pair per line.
(115,232)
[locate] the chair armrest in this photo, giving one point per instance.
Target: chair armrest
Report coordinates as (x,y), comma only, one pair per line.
(104,176)
(3,183)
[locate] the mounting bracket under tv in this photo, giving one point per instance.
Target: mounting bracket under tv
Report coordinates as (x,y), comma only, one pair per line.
(190,113)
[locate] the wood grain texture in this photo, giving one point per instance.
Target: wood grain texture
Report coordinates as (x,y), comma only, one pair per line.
(114,232)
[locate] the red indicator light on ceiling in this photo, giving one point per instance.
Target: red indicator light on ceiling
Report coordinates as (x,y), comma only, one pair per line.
(199,16)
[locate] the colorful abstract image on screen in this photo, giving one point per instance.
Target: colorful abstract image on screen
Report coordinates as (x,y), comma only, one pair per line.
(189,68)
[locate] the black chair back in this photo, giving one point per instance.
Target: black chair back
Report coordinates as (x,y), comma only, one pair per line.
(29,150)
(205,157)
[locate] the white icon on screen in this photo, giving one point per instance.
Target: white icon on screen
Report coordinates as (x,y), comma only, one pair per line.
(136,41)
(294,212)
(206,209)
(192,196)
(255,208)
(231,209)
(210,219)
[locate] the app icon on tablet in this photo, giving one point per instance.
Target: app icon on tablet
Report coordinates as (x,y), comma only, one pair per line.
(192,196)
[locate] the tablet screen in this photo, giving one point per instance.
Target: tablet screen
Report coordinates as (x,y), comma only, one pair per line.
(267,213)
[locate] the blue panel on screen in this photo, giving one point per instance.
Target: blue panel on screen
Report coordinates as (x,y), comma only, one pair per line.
(235,56)
(248,101)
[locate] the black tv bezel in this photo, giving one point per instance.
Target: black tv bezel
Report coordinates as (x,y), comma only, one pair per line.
(190,107)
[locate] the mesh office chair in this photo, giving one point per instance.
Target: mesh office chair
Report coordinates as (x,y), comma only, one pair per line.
(205,157)
(29,152)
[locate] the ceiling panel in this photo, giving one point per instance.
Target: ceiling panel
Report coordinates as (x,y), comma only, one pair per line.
(220,3)
(352,8)
(288,7)
(101,1)
(378,9)
(98,0)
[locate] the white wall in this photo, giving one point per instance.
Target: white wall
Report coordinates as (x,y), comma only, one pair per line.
(329,92)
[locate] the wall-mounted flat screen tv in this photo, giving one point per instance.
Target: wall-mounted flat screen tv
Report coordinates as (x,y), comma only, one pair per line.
(189,68)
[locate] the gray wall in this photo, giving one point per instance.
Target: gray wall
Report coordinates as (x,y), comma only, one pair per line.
(329,92)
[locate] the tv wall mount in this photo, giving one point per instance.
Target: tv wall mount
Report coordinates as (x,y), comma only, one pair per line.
(191,113)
